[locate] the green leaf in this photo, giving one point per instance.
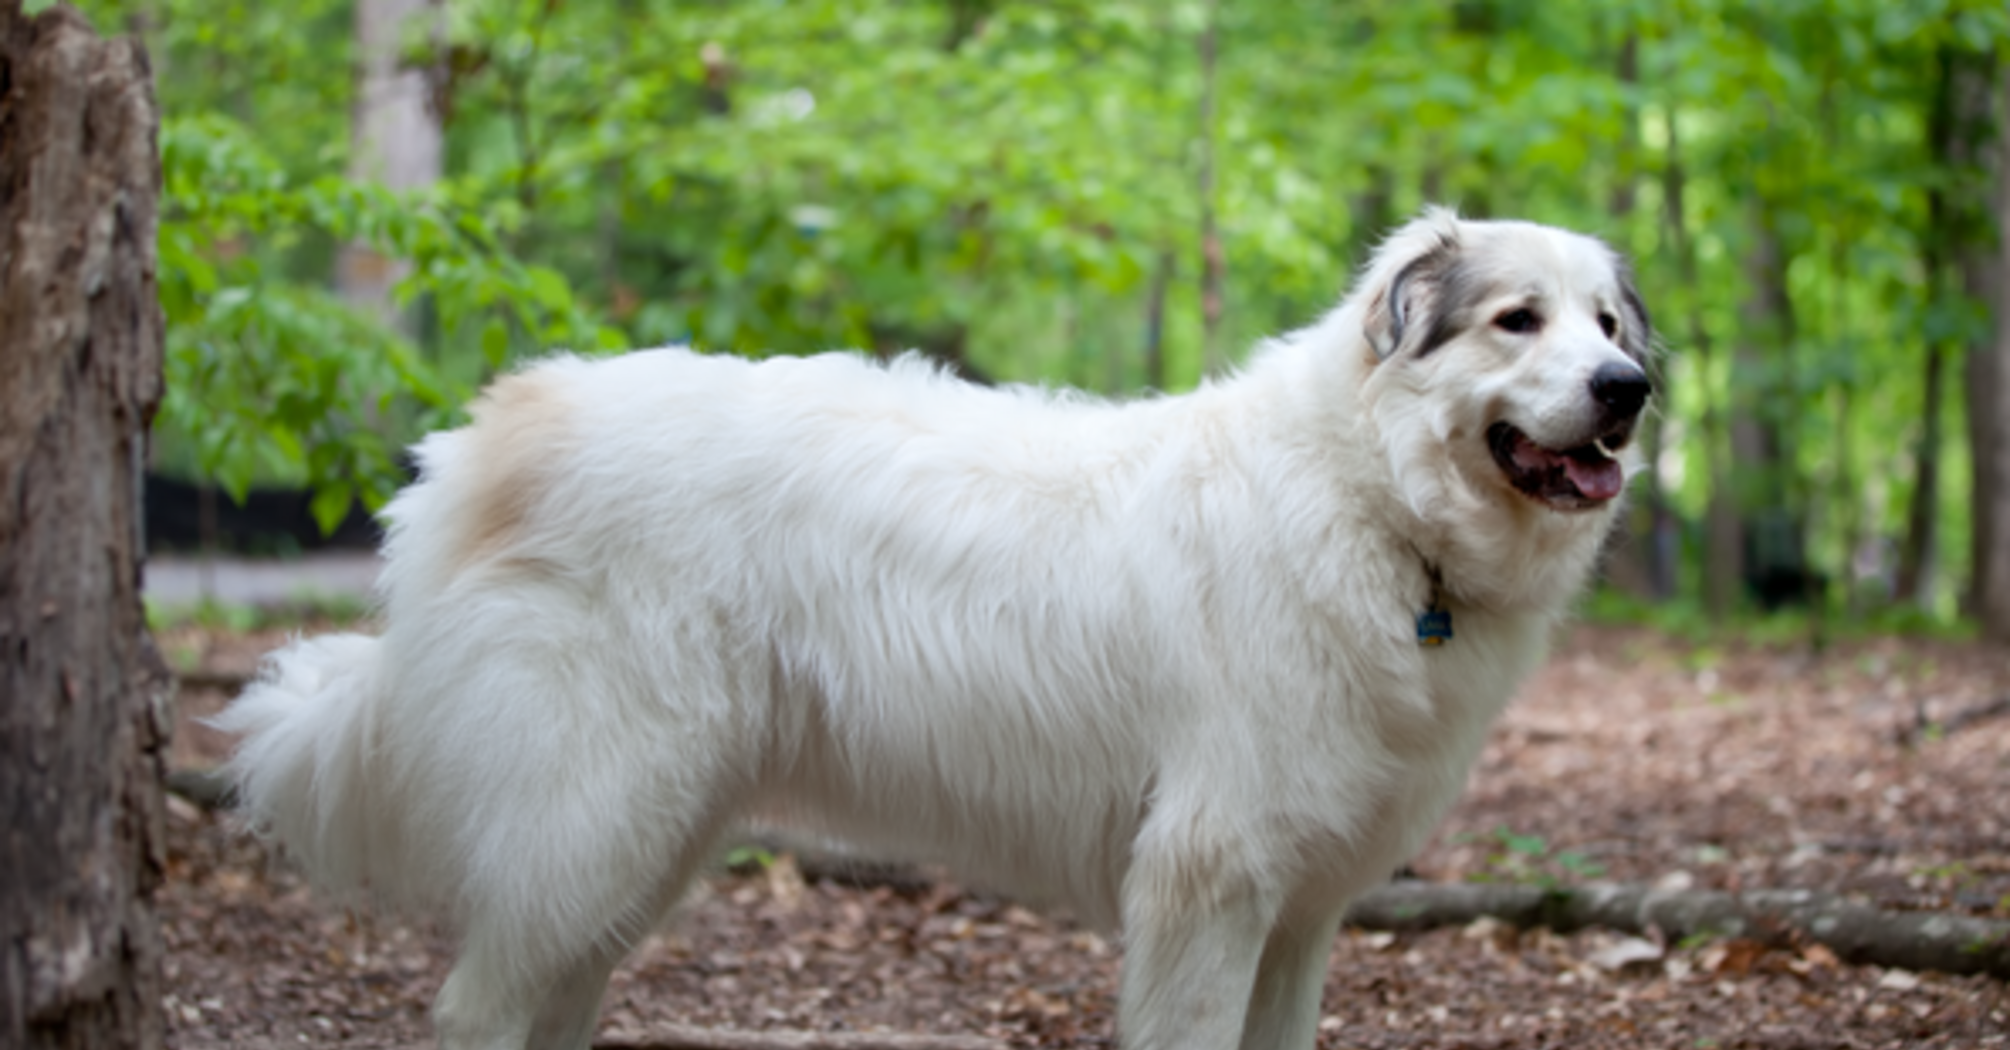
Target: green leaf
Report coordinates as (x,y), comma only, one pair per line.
(331,504)
(495,341)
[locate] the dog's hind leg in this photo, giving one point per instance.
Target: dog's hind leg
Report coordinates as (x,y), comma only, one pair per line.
(571,1005)
(579,805)
(1284,1007)
(533,978)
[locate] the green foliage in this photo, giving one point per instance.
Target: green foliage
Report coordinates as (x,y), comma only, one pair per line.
(1686,618)
(307,608)
(1528,859)
(274,378)
(749,859)
(998,181)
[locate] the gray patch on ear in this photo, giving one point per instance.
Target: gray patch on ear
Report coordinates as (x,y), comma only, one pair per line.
(1460,291)
(1410,301)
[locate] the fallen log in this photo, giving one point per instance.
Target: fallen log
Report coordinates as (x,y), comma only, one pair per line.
(1924,728)
(1860,933)
(692,1037)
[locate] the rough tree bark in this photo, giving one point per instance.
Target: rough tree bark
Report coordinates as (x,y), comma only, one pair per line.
(82,708)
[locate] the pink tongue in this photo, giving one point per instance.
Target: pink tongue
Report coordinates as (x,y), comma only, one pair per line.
(1600,478)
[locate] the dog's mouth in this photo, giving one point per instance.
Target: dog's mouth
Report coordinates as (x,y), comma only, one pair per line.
(1579,478)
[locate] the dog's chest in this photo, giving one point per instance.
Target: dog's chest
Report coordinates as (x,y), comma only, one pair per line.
(1467,681)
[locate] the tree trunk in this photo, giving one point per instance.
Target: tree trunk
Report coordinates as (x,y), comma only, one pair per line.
(1635,556)
(1211,256)
(1761,482)
(1723,551)
(1155,323)
(1919,558)
(395,139)
(83,719)
(1373,215)
(1985,274)
(1959,128)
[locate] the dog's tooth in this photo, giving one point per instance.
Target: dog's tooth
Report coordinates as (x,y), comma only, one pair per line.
(1603,448)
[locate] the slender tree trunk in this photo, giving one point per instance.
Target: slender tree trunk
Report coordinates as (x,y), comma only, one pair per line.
(1155,322)
(1769,514)
(1987,275)
(1626,69)
(1983,369)
(1634,553)
(83,719)
(395,138)
(1374,213)
(1723,547)
(1919,557)
(1211,260)
(1959,127)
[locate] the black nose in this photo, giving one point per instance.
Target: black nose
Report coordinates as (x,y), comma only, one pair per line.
(1621,388)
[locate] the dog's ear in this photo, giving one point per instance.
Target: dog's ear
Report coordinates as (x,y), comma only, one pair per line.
(1636,334)
(1410,305)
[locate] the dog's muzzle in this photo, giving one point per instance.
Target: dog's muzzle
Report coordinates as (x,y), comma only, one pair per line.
(1586,474)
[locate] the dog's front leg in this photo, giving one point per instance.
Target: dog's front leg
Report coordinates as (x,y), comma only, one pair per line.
(1193,935)
(1284,1009)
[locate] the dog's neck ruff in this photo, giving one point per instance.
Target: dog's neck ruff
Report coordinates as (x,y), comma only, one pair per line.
(1434,624)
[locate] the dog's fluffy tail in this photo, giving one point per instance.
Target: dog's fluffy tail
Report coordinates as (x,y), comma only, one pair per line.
(304,769)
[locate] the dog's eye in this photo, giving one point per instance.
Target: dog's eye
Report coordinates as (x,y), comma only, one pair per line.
(1520,321)
(1609,325)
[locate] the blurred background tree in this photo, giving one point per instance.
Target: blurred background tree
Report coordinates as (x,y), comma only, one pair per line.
(1114,194)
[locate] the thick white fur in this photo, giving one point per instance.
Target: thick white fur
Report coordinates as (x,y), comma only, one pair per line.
(1154,660)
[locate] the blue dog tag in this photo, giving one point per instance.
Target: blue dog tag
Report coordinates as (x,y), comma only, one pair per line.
(1434,627)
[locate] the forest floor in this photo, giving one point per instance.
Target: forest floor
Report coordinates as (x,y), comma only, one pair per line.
(1631,757)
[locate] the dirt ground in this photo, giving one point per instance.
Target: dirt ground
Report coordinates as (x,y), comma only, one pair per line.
(1631,758)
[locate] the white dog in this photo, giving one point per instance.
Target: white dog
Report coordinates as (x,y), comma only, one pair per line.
(1206,666)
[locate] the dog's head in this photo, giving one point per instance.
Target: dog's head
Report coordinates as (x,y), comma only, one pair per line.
(1513,353)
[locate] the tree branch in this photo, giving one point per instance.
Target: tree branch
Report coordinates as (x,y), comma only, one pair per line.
(1859,933)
